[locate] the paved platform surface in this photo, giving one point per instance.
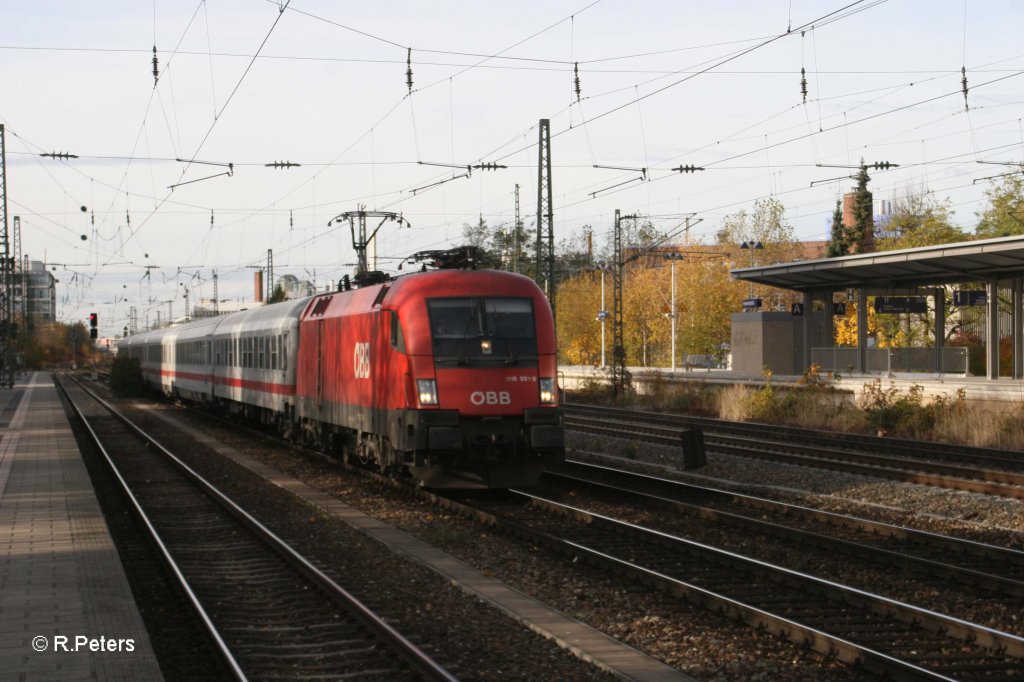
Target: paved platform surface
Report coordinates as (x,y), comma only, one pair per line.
(66,610)
(585,642)
(1003,389)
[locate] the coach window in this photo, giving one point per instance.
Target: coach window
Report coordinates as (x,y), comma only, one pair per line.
(397,337)
(284,352)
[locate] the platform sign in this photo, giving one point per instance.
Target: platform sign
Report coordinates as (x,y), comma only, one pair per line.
(966,298)
(797,309)
(751,303)
(839,309)
(901,304)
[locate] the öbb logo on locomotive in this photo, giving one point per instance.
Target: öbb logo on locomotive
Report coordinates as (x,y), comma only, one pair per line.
(361,361)
(490,398)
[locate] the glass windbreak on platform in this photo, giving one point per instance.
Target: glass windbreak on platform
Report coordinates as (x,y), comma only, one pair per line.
(480,331)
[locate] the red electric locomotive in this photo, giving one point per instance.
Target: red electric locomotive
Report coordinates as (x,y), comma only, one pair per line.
(449,375)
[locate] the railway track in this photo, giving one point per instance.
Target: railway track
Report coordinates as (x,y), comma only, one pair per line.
(993,458)
(993,569)
(885,636)
(270,613)
(663,429)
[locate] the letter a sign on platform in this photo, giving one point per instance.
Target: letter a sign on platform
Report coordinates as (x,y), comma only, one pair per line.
(797,309)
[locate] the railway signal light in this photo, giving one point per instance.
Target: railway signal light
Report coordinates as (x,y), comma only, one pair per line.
(93,322)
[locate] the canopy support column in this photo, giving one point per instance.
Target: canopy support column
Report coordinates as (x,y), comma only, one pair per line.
(862,330)
(808,310)
(940,327)
(1017,316)
(992,328)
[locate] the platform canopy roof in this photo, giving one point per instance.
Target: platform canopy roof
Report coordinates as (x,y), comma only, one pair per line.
(975,261)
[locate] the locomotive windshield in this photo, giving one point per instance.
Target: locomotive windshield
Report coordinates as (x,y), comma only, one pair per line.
(483,330)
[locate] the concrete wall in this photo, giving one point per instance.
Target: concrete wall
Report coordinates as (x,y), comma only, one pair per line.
(771,339)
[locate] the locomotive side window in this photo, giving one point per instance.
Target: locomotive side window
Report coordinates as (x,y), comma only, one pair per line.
(397,337)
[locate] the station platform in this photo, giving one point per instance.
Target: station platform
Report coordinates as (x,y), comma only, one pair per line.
(66,609)
(931,385)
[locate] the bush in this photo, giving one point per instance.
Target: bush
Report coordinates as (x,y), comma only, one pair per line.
(126,377)
(890,412)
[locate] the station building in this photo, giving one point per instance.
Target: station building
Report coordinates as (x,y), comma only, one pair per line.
(983,280)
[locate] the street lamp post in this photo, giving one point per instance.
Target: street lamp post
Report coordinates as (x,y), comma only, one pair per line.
(672,258)
(602,316)
(752,245)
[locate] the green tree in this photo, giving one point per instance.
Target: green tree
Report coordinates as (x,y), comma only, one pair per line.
(838,244)
(53,345)
(862,234)
(920,220)
(498,245)
(1004,214)
(482,236)
(765,224)
(277,296)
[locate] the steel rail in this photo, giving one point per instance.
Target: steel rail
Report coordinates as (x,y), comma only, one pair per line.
(999,642)
(618,481)
(209,628)
(899,469)
(818,640)
(856,442)
(398,643)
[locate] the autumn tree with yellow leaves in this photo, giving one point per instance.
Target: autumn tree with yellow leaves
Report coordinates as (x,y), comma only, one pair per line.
(706,297)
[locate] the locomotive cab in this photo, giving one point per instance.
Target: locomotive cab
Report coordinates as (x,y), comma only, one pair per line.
(496,390)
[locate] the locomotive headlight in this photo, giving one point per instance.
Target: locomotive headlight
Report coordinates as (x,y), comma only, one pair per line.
(547,390)
(427,388)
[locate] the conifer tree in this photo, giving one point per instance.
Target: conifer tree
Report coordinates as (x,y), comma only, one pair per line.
(862,234)
(838,244)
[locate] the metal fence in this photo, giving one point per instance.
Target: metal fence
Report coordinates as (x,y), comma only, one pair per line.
(893,360)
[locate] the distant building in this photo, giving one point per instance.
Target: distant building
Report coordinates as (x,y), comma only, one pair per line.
(205,308)
(295,288)
(35,294)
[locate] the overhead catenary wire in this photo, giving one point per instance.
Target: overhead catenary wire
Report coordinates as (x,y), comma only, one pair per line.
(375,163)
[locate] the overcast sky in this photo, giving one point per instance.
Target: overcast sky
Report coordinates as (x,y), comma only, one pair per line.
(715,84)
